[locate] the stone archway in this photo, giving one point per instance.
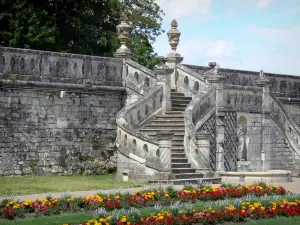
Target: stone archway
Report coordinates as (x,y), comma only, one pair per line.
(241,135)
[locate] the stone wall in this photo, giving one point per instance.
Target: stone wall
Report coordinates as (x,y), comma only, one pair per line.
(40,132)
(278,154)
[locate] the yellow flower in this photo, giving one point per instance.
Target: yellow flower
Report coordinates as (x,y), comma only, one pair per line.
(117,197)
(262,208)
(161,217)
(124,219)
(167,195)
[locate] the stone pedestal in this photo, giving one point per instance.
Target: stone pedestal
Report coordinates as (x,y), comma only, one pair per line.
(165,144)
(164,78)
(243,166)
(203,146)
(173,59)
(265,83)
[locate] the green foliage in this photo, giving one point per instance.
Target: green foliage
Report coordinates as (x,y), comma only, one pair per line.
(83,26)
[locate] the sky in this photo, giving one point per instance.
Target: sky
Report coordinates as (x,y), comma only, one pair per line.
(237,34)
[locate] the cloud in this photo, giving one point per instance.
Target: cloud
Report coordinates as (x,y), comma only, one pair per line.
(263,3)
(181,8)
(206,49)
(289,36)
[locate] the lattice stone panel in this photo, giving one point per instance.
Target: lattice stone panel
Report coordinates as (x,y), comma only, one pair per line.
(230,146)
(210,127)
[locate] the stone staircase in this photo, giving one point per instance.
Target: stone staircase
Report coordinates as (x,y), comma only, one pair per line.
(173,121)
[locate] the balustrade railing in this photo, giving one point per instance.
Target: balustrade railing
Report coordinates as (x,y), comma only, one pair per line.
(43,66)
(132,142)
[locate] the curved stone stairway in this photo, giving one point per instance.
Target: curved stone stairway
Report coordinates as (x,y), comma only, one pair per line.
(173,121)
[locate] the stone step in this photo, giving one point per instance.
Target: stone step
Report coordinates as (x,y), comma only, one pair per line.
(180,165)
(171,116)
(188,175)
(180,101)
(176,145)
(161,129)
(183,170)
(178,138)
(178,160)
(183,98)
(179,105)
(174,112)
(178,109)
(216,180)
(177,142)
(176,94)
(168,120)
(178,155)
(166,126)
(153,134)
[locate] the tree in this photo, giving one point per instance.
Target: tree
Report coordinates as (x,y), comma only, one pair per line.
(81,26)
(146,18)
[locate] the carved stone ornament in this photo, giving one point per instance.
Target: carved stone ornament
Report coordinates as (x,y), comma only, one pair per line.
(124,30)
(174,36)
(261,74)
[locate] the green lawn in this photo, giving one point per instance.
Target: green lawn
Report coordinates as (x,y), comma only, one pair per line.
(52,220)
(43,184)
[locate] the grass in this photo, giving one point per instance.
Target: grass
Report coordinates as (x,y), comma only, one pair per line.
(43,184)
(74,218)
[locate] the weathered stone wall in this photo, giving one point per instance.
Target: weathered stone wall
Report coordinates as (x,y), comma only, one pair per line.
(43,133)
(278,154)
(292,107)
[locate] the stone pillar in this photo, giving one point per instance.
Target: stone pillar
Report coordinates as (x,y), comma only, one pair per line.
(265,83)
(220,141)
(173,57)
(214,78)
(124,30)
(165,144)
(164,78)
(203,146)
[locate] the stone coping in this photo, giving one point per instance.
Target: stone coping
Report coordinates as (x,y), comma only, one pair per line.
(242,71)
(260,173)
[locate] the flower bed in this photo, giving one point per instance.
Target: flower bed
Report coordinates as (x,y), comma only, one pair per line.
(10,209)
(241,211)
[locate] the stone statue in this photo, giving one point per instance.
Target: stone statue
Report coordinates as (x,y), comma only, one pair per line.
(242,151)
(216,69)
(261,74)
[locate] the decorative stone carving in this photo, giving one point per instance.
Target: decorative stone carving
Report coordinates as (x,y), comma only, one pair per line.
(124,30)
(173,58)
(261,74)
(174,36)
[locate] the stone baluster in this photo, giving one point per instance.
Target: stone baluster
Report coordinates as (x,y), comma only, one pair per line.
(165,144)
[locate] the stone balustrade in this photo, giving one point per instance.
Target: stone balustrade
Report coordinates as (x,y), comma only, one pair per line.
(43,66)
(241,98)
(200,109)
(289,127)
(187,81)
(132,143)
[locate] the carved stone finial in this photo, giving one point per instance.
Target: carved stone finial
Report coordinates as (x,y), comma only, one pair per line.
(212,64)
(261,74)
(124,30)
(174,36)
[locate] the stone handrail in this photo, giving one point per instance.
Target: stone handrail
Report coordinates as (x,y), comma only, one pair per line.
(44,66)
(188,81)
(195,115)
(289,127)
(130,138)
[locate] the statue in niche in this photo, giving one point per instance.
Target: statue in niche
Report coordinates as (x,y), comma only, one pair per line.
(242,148)
(242,138)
